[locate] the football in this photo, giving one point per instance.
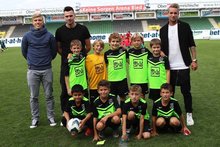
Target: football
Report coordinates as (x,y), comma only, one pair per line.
(73,125)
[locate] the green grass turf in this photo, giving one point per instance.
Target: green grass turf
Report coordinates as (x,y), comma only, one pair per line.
(15,110)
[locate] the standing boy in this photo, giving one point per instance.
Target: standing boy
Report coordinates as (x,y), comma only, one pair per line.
(39,49)
(138,55)
(134,114)
(96,69)
(106,111)
(158,69)
(78,107)
(115,58)
(75,70)
(167,114)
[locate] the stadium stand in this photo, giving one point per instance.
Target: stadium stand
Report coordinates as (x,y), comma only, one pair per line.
(99,27)
(123,26)
(160,22)
(20,30)
(52,27)
(198,23)
(217,19)
(4,28)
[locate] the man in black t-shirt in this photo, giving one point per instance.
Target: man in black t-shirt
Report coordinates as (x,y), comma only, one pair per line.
(64,35)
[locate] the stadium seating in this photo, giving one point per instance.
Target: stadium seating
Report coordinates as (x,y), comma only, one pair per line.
(123,26)
(155,22)
(99,27)
(4,28)
(198,23)
(20,30)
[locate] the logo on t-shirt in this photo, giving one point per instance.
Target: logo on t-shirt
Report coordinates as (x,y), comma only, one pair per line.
(138,63)
(155,71)
(79,71)
(99,68)
(118,64)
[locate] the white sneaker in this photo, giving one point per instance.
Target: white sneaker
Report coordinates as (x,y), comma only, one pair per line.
(52,122)
(34,124)
(189,119)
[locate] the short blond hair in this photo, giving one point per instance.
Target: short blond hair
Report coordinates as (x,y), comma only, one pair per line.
(100,42)
(137,35)
(75,43)
(136,88)
(36,15)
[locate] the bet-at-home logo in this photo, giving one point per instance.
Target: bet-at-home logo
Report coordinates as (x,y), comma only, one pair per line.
(99,68)
(79,71)
(155,72)
(118,64)
(138,63)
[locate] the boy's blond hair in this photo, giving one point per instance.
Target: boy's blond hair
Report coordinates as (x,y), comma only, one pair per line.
(155,41)
(114,36)
(75,42)
(100,42)
(36,15)
(174,5)
(136,88)
(137,35)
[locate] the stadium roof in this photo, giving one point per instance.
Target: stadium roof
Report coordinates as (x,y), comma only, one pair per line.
(37,4)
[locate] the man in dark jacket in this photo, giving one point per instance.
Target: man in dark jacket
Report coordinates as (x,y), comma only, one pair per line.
(178,44)
(39,49)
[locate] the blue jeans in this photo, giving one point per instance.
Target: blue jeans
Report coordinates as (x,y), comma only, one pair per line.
(34,79)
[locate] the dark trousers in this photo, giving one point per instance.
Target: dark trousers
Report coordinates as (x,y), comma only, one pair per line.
(64,95)
(182,78)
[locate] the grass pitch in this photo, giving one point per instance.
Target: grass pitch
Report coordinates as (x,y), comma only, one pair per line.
(15,110)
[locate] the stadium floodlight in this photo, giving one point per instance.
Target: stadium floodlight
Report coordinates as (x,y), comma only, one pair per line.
(77,6)
(147,4)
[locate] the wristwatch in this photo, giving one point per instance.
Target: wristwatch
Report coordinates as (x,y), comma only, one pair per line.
(194,60)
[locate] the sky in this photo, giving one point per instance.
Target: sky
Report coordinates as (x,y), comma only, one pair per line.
(38,4)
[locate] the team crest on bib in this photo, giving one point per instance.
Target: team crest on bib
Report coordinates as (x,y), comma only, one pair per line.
(79,71)
(155,71)
(138,63)
(118,64)
(171,105)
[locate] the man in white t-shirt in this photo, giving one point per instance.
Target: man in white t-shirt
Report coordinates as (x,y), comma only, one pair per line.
(178,44)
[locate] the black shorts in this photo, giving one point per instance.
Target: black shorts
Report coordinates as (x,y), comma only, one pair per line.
(144,87)
(154,94)
(168,128)
(119,88)
(136,124)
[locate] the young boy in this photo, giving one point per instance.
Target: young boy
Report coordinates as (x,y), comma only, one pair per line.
(138,55)
(134,113)
(158,69)
(106,111)
(78,107)
(96,69)
(75,70)
(167,113)
(115,58)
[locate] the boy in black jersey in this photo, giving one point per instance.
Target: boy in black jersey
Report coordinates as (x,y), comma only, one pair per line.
(106,111)
(167,113)
(134,113)
(115,59)
(78,107)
